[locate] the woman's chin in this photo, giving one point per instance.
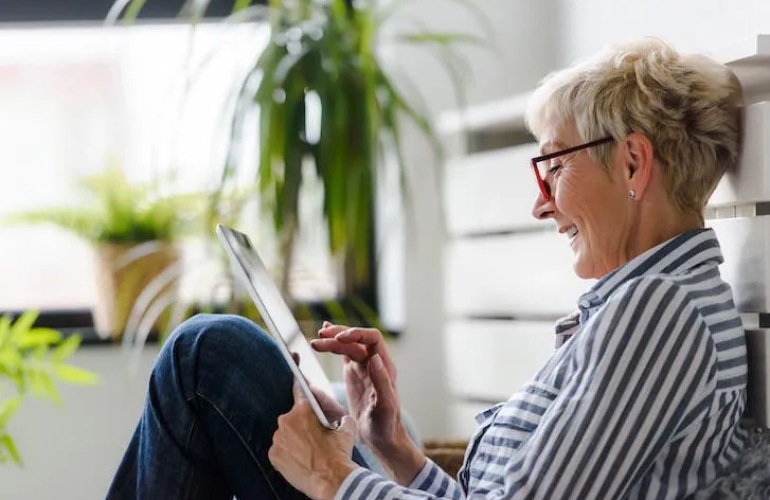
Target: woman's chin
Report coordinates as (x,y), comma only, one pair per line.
(578,263)
(582,264)
(586,269)
(585,275)
(581,270)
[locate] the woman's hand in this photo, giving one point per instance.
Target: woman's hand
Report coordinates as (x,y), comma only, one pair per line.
(311,458)
(332,408)
(369,381)
(370,385)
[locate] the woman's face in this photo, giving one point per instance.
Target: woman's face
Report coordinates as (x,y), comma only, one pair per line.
(590,206)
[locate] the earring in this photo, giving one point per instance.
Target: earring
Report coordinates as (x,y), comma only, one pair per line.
(632,194)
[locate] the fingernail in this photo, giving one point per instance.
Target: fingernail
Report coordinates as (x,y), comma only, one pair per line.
(377,361)
(327,324)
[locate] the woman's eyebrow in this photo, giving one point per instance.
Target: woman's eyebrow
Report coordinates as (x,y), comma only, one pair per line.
(553,146)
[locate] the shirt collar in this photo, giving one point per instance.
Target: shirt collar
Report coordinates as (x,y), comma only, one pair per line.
(678,255)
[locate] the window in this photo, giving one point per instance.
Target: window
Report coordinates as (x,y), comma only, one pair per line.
(74,99)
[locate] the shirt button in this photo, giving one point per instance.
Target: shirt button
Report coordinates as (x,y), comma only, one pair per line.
(585,304)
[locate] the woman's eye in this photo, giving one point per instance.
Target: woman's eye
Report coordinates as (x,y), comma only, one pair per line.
(553,169)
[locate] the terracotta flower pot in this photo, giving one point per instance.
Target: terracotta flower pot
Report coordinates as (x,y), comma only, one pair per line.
(123,271)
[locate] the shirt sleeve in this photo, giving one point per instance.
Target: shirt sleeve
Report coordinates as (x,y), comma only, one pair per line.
(430,483)
(645,365)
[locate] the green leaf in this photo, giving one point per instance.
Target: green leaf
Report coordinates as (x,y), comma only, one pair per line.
(7,442)
(336,311)
(63,351)
(285,64)
(5,330)
(240,4)
(441,38)
(32,377)
(368,314)
(8,408)
(75,375)
(39,337)
(46,383)
(39,353)
(119,211)
(194,10)
(23,324)
(83,223)
(133,10)
(10,359)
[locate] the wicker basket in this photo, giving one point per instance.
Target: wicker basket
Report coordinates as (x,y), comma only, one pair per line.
(448,455)
(122,278)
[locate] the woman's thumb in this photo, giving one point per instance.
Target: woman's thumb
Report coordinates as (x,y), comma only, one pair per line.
(386,393)
(348,424)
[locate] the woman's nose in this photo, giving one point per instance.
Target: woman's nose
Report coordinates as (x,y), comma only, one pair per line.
(542,209)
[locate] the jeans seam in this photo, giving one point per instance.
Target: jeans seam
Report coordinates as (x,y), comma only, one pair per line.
(190,400)
(191,475)
(243,442)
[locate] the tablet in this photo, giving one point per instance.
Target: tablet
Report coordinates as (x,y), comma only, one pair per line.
(278,318)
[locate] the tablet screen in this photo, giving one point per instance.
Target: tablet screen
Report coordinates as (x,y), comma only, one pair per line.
(273,308)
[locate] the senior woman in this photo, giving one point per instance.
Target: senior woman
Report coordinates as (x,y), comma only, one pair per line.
(642,398)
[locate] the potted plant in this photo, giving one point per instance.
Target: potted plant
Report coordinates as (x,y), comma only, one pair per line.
(31,359)
(322,54)
(133,228)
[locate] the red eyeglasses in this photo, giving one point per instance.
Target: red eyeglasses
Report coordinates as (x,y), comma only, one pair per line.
(544,167)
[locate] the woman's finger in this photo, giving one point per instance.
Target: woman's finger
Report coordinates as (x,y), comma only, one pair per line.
(355,352)
(368,336)
(329,330)
(359,344)
(383,385)
(299,395)
(353,377)
(355,386)
(373,340)
(348,424)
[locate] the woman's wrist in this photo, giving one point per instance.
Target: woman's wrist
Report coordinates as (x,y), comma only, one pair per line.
(403,459)
(333,479)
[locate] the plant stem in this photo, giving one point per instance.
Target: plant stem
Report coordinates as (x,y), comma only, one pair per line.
(288,234)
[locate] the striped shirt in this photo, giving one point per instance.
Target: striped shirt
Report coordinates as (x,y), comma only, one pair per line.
(642,400)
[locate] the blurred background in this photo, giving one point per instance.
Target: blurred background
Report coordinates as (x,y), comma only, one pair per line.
(146,108)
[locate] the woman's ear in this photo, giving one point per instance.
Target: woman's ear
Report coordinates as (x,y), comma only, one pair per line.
(639,160)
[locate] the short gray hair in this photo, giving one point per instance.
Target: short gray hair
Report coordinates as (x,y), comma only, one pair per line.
(689,106)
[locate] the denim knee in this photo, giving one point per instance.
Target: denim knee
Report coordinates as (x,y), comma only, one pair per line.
(213,342)
(239,332)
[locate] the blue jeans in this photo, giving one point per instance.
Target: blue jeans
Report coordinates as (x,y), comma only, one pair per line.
(214,398)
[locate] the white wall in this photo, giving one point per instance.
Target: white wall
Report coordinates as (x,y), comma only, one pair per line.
(71,452)
(691,25)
